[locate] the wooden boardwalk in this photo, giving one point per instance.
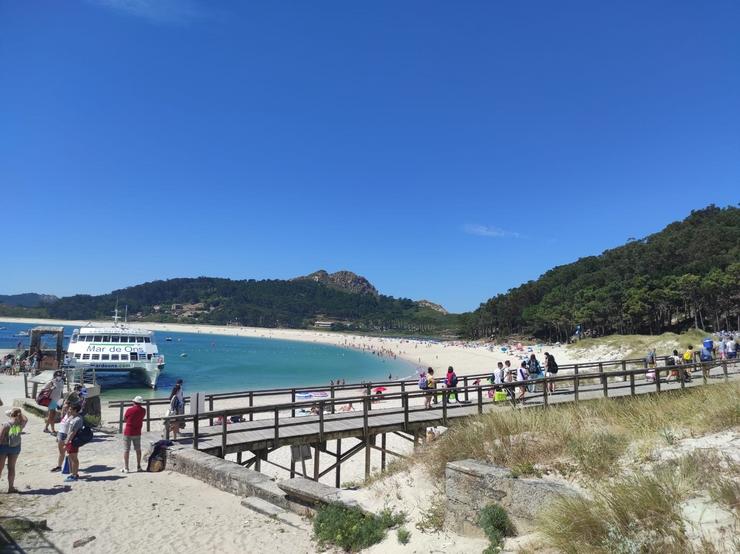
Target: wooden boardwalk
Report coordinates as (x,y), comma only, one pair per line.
(274,426)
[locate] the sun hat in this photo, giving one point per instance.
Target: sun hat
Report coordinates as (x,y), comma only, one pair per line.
(138,400)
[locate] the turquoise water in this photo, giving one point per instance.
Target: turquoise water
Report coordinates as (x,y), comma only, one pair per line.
(222,364)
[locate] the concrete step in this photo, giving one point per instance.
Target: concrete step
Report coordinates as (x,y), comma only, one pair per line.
(271,510)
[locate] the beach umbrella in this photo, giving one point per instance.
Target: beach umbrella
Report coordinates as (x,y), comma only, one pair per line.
(379,390)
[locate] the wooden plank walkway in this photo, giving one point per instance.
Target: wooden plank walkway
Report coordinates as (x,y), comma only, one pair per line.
(264,435)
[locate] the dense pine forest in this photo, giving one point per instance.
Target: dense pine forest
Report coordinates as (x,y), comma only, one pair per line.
(687,275)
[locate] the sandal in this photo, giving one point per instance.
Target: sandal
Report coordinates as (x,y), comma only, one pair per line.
(58,468)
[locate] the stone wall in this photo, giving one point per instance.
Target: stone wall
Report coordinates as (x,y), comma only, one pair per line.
(471,485)
(229,476)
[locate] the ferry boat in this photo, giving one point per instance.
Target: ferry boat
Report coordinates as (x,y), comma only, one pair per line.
(117,348)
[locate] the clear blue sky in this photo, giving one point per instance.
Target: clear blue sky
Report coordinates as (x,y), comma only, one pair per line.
(444,150)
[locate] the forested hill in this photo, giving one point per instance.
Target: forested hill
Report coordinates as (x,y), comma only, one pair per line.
(687,275)
(268,303)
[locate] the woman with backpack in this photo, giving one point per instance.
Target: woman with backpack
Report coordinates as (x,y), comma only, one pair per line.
(56,389)
(10,443)
(551,369)
(177,406)
(522,375)
(74,426)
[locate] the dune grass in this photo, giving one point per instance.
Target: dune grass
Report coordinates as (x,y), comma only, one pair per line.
(588,437)
(636,346)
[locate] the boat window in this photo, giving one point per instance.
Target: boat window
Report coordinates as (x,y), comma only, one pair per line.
(114,338)
(148,356)
(134,356)
(86,356)
(124,357)
(96,356)
(114,356)
(139,339)
(123,339)
(105,356)
(74,338)
(147,339)
(77,356)
(98,338)
(106,338)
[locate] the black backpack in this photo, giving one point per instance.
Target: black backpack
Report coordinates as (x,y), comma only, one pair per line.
(83,436)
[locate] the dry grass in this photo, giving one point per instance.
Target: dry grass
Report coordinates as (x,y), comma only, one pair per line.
(589,437)
(640,512)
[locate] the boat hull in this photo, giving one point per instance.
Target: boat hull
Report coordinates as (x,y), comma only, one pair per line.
(145,371)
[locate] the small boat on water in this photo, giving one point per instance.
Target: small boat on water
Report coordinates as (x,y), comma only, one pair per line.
(168,339)
(183,355)
(22,334)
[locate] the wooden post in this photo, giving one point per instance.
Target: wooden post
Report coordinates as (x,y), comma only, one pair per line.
(704,372)
(365,408)
(321,421)
(465,384)
(368,391)
(258,461)
(444,410)
(382,452)
(210,408)
(544,392)
(632,384)
(331,390)
(724,370)
(604,384)
(337,476)
(513,394)
(405,400)
(403,386)
(292,401)
(480,399)
(120,419)
(196,425)
(657,379)
(239,457)
(148,416)
(277,426)
(251,404)
(316,463)
(167,429)
(223,436)
(25,384)
(367,457)
(576,382)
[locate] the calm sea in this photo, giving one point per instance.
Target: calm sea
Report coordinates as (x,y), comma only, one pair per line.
(213,363)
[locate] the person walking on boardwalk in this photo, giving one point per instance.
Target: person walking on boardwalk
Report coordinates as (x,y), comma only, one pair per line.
(522,376)
(431,385)
(551,369)
(10,444)
(74,426)
(133,421)
(451,385)
(177,406)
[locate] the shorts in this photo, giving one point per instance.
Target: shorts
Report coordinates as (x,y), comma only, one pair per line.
(6,450)
(71,449)
(128,441)
(61,437)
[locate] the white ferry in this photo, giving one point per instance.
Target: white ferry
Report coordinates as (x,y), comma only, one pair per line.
(117,348)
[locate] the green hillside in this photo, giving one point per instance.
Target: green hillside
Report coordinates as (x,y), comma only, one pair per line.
(687,275)
(269,303)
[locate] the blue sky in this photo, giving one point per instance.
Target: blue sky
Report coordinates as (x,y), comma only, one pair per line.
(445,150)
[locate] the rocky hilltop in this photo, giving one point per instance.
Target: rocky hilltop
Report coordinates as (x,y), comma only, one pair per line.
(342,280)
(432,306)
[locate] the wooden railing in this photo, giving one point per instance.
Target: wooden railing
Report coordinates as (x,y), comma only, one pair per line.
(365,388)
(276,422)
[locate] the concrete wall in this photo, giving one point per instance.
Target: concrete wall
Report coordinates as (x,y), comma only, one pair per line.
(471,485)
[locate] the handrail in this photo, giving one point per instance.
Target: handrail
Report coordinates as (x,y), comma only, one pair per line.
(367,415)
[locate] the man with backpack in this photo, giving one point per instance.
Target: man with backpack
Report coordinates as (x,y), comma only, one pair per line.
(426,382)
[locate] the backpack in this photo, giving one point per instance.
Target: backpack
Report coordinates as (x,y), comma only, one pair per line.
(14,436)
(453,380)
(83,436)
(423,383)
(44,397)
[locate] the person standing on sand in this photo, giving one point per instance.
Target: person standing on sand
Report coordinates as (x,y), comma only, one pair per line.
(73,427)
(551,369)
(177,406)
(134,419)
(56,388)
(10,444)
